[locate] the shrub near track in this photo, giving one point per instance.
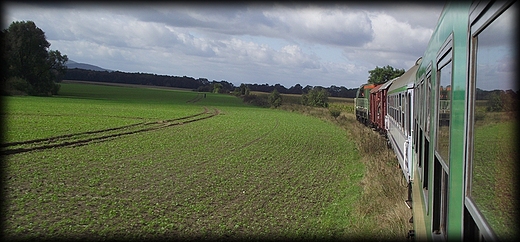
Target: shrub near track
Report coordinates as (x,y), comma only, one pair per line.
(245,173)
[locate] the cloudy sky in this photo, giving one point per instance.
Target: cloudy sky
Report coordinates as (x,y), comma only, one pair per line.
(310,44)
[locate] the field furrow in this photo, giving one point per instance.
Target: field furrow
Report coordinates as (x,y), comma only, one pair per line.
(84,138)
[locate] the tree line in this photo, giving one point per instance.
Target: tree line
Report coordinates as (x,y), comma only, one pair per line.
(199,84)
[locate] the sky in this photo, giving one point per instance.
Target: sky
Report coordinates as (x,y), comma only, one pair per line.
(265,43)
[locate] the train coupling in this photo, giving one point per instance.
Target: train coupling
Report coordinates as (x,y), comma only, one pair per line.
(411,235)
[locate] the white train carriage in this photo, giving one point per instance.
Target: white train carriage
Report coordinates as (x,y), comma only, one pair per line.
(399,116)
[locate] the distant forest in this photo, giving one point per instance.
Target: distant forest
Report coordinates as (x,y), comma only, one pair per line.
(200,84)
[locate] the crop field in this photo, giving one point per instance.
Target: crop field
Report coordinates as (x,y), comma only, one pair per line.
(98,162)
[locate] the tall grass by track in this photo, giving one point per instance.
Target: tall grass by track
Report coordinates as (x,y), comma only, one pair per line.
(247,173)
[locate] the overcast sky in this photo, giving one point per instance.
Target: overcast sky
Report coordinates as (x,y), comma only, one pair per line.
(310,44)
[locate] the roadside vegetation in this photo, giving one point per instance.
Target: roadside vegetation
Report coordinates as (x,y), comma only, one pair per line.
(199,167)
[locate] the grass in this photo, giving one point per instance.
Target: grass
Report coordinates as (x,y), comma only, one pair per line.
(247,172)
(494,168)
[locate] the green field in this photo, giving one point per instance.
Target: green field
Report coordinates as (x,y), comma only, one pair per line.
(120,162)
(494,170)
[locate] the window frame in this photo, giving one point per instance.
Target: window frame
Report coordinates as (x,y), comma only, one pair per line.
(444,58)
(482,15)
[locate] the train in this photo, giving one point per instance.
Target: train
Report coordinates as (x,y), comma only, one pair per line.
(452,122)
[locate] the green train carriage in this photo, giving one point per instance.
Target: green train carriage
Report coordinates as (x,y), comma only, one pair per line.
(465,126)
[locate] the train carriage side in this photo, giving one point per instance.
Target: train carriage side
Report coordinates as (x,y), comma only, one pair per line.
(400,111)
(465,126)
(375,107)
(382,94)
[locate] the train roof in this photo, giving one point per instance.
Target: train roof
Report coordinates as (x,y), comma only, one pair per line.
(376,88)
(368,86)
(406,80)
(387,84)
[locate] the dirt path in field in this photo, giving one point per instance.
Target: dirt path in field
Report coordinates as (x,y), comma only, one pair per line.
(84,138)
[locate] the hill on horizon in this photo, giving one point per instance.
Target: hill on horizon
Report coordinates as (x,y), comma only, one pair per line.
(72,65)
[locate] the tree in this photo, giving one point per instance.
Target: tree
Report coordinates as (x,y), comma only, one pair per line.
(28,59)
(217,87)
(275,99)
(244,89)
(317,97)
(383,74)
(57,64)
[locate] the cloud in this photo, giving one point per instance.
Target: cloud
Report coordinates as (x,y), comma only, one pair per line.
(271,43)
(336,26)
(393,35)
(395,43)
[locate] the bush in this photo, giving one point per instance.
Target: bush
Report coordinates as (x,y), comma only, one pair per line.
(55,89)
(16,86)
(494,103)
(480,114)
(317,97)
(334,113)
(275,99)
(256,100)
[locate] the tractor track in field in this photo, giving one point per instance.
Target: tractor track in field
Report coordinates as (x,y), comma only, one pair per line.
(84,138)
(196,99)
(257,139)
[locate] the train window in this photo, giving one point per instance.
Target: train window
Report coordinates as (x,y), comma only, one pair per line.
(426,166)
(403,105)
(440,198)
(389,107)
(417,92)
(415,104)
(422,100)
(493,118)
(419,101)
(393,107)
(428,103)
(401,111)
(415,120)
(443,109)
(408,112)
(395,101)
